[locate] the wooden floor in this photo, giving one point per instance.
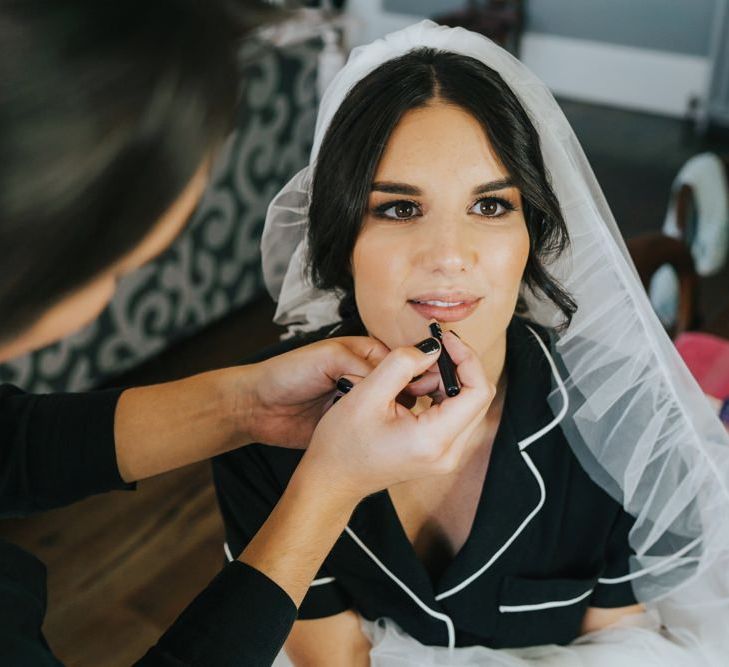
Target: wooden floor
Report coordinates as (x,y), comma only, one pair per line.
(122,566)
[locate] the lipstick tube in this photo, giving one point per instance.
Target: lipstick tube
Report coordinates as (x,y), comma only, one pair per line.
(445,364)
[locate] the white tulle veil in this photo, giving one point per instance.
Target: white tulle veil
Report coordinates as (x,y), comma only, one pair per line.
(637,420)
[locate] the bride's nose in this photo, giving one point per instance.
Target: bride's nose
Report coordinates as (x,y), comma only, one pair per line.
(445,248)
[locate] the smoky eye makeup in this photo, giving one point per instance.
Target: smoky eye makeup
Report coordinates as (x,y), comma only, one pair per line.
(398,209)
(489,207)
(406,209)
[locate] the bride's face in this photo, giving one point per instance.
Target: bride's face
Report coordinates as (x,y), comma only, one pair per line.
(444,235)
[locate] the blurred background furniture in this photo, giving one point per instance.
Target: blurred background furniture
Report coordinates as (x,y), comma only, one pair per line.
(717,323)
(653,250)
(702,342)
(500,20)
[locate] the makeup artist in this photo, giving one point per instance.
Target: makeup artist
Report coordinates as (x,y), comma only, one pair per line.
(110,114)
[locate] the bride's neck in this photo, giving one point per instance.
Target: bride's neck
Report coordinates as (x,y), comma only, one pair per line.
(493,361)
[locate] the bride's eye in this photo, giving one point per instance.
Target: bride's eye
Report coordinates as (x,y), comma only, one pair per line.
(492,207)
(399,210)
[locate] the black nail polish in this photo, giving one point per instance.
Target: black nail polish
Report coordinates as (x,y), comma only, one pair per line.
(344,385)
(445,365)
(429,345)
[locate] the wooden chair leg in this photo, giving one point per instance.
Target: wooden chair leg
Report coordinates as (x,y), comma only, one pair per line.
(651,251)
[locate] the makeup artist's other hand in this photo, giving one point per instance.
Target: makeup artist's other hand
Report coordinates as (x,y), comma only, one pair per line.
(290,391)
(368,441)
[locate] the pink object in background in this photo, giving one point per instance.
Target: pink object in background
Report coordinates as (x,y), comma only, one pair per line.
(707,357)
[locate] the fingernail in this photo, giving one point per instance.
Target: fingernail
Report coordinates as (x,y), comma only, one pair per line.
(344,385)
(417,377)
(429,346)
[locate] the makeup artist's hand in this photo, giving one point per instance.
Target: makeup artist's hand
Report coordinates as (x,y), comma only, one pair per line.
(290,391)
(278,401)
(368,441)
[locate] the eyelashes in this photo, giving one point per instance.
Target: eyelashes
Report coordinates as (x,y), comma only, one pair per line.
(505,205)
(391,210)
(406,209)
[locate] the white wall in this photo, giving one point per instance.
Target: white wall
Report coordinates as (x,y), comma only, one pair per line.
(658,82)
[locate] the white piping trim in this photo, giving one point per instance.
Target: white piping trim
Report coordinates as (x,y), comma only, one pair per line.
(510,609)
(431,612)
(507,544)
(655,566)
(527,441)
(565,405)
(322,581)
(523,444)
(316,582)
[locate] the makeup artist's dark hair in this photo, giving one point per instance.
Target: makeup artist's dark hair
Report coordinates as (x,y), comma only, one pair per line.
(360,129)
(107,109)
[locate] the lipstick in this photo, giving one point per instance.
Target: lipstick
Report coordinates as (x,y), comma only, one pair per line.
(445,364)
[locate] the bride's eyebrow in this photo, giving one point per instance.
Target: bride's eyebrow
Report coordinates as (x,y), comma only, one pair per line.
(396,188)
(492,186)
(393,188)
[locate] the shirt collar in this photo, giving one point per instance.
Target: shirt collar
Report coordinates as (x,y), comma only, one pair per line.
(512,496)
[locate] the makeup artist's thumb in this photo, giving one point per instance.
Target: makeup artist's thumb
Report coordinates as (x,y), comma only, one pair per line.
(397,370)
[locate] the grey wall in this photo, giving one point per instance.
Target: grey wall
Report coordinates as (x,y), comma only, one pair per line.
(678,26)
(422,7)
(718,107)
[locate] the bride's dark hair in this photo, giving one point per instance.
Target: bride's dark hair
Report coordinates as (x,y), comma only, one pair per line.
(358,134)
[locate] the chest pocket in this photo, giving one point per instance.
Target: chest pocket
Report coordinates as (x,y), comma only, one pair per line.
(541,611)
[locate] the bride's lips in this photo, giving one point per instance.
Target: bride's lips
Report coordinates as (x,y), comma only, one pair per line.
(445,307)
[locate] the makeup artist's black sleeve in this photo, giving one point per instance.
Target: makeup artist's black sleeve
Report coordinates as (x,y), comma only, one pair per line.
(241,618)
(58,448)
(55,448)
(249,482)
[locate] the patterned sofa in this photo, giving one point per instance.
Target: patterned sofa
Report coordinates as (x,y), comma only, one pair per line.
(214,266)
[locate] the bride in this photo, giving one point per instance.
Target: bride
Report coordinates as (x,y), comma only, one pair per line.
(446,185)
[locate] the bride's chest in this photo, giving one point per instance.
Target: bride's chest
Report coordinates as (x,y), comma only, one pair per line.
(437,513)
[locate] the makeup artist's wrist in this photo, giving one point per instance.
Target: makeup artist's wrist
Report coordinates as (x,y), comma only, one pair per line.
(333,490)
(237,391)
(299,533)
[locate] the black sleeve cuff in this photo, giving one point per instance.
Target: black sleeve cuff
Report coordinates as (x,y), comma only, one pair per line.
(74,435)
(618,559)
(241,618)
(613,595)
(61,448)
